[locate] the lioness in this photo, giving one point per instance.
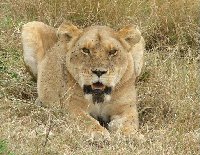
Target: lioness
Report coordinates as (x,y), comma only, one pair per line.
(91,72)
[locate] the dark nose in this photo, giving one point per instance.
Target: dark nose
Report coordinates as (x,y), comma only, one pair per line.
(98,72)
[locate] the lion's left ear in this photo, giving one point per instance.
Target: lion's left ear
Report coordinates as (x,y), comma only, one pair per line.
(67,31)
(130,34)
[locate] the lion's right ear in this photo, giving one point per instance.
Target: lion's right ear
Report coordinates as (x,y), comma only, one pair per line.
(67,31)
(130,34)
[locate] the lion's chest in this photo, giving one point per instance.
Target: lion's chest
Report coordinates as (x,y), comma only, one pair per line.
(100,112)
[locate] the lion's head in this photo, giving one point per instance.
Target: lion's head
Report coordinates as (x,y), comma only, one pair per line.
(98,57)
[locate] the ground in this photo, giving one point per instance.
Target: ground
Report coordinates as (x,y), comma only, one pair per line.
(168,89)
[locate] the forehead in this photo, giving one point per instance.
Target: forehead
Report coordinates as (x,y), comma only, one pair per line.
(101,35)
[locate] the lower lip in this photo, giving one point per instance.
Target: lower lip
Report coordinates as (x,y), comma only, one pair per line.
(97,91)
(88,89)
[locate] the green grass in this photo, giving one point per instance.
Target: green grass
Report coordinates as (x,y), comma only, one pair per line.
(168,89)
(4,148)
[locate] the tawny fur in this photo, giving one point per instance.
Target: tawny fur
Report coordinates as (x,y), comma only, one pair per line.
(34,35)
(63,68)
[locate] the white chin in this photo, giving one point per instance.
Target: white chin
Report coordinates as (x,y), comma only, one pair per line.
(88,97)
(107,98)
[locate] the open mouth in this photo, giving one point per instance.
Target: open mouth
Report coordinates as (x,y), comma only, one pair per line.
(98,85)
(98,91)
(97,88)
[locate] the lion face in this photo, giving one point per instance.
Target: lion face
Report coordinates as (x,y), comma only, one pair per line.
(97,58)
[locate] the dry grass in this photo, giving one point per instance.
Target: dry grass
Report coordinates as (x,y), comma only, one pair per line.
(168,88)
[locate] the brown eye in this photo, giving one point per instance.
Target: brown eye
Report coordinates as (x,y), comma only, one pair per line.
(85,51)
(113,52)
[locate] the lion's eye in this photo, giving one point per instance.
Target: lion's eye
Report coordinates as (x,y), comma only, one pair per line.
(113,52)
(85,51)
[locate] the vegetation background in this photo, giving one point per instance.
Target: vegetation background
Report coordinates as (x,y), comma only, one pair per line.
(168,89)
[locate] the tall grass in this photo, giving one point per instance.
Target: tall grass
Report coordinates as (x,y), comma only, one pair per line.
(168,89)
(164,22)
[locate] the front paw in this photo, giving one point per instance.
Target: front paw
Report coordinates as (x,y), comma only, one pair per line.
(116,125)
(126,130)
(98,134)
